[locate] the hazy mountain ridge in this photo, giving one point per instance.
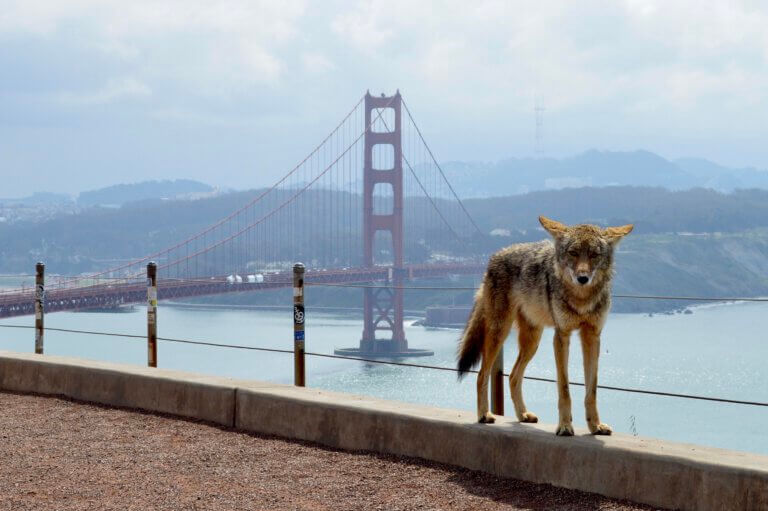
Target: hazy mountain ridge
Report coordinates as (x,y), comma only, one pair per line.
(694,242)
(597,168)
(652,210)
(139,228)
(43,206)
(39,199)
(117,195)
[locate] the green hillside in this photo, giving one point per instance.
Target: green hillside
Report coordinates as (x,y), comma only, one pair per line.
(695,242)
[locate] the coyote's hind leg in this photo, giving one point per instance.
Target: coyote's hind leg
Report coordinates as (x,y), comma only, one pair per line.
(497,330)
(528,338)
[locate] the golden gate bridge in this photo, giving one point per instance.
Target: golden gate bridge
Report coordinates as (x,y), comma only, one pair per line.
(344,211)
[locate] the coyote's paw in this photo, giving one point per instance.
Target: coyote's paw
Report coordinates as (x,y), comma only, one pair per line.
(528,417)
(486,418)
(564,430)
(600,429)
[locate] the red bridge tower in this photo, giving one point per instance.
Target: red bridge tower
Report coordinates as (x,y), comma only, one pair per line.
(383,306)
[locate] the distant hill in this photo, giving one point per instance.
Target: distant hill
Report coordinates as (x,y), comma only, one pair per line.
(597,168)
(712,175)
(697,242)
(40,199)
(652,210)
(75,242)
(117,195)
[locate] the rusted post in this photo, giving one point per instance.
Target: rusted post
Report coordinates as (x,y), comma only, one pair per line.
(497,385)
(39,307)
(298,325)
(152,314)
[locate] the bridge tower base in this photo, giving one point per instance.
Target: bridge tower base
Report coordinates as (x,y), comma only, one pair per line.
(383,306)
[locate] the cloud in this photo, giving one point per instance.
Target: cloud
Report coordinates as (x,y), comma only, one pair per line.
(200,47)
(561,51)
(317,63)
(614,74)
(115,90)
(572,54)
(364,26)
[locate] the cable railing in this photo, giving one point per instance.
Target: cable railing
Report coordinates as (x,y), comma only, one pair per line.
(209,280)
(299,351)
(390,363)
(470,288)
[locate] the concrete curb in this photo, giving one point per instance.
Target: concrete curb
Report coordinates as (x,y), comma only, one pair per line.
(665,474)
(183,394)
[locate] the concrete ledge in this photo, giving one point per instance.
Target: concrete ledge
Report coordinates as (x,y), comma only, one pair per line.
(156,390)
(654,472)
(649,471)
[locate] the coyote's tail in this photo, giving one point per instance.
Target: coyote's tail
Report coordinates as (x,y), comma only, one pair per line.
(472,340)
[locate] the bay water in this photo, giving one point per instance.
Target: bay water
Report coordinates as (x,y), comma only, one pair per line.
(719,350)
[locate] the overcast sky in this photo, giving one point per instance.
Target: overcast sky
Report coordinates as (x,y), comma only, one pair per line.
(233,93)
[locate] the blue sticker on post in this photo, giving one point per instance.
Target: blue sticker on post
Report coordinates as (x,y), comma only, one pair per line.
(298,335)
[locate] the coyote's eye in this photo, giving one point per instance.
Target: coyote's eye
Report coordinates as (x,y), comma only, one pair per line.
(573,252)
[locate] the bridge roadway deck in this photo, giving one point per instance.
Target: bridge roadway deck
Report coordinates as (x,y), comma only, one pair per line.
(657,473)
(113,294)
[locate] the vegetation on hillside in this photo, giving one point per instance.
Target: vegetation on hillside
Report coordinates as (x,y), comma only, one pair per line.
(695,242)
(123,193)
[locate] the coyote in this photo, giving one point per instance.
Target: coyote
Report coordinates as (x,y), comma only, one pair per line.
(565,285)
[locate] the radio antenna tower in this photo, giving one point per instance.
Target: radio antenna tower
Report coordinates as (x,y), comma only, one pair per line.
(538,111)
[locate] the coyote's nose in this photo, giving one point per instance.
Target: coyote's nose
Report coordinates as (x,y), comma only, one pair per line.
(583,279)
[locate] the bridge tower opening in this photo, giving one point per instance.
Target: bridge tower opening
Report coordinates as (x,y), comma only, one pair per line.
(383,306)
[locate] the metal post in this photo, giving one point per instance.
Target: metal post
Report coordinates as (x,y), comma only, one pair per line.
(497,385)
(152,314)
(39,307)
(298,325)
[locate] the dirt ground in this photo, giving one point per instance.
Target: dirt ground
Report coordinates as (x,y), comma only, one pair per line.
(59,454)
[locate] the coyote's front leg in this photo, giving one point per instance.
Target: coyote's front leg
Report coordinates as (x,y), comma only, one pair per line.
(565,424)
(590,348)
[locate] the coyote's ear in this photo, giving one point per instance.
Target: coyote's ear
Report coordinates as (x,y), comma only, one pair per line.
(556,229)
(614,234)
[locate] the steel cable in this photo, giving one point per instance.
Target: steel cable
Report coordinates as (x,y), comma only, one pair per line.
(401,364)
(639,297)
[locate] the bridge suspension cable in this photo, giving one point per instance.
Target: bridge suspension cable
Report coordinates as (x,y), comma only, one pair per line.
(423,188)
(238,211)
(440,169)
(309,214)
(290,200)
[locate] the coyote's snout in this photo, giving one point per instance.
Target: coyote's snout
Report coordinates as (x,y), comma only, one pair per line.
(565,285)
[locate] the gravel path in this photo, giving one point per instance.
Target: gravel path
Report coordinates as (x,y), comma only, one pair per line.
(59,454)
